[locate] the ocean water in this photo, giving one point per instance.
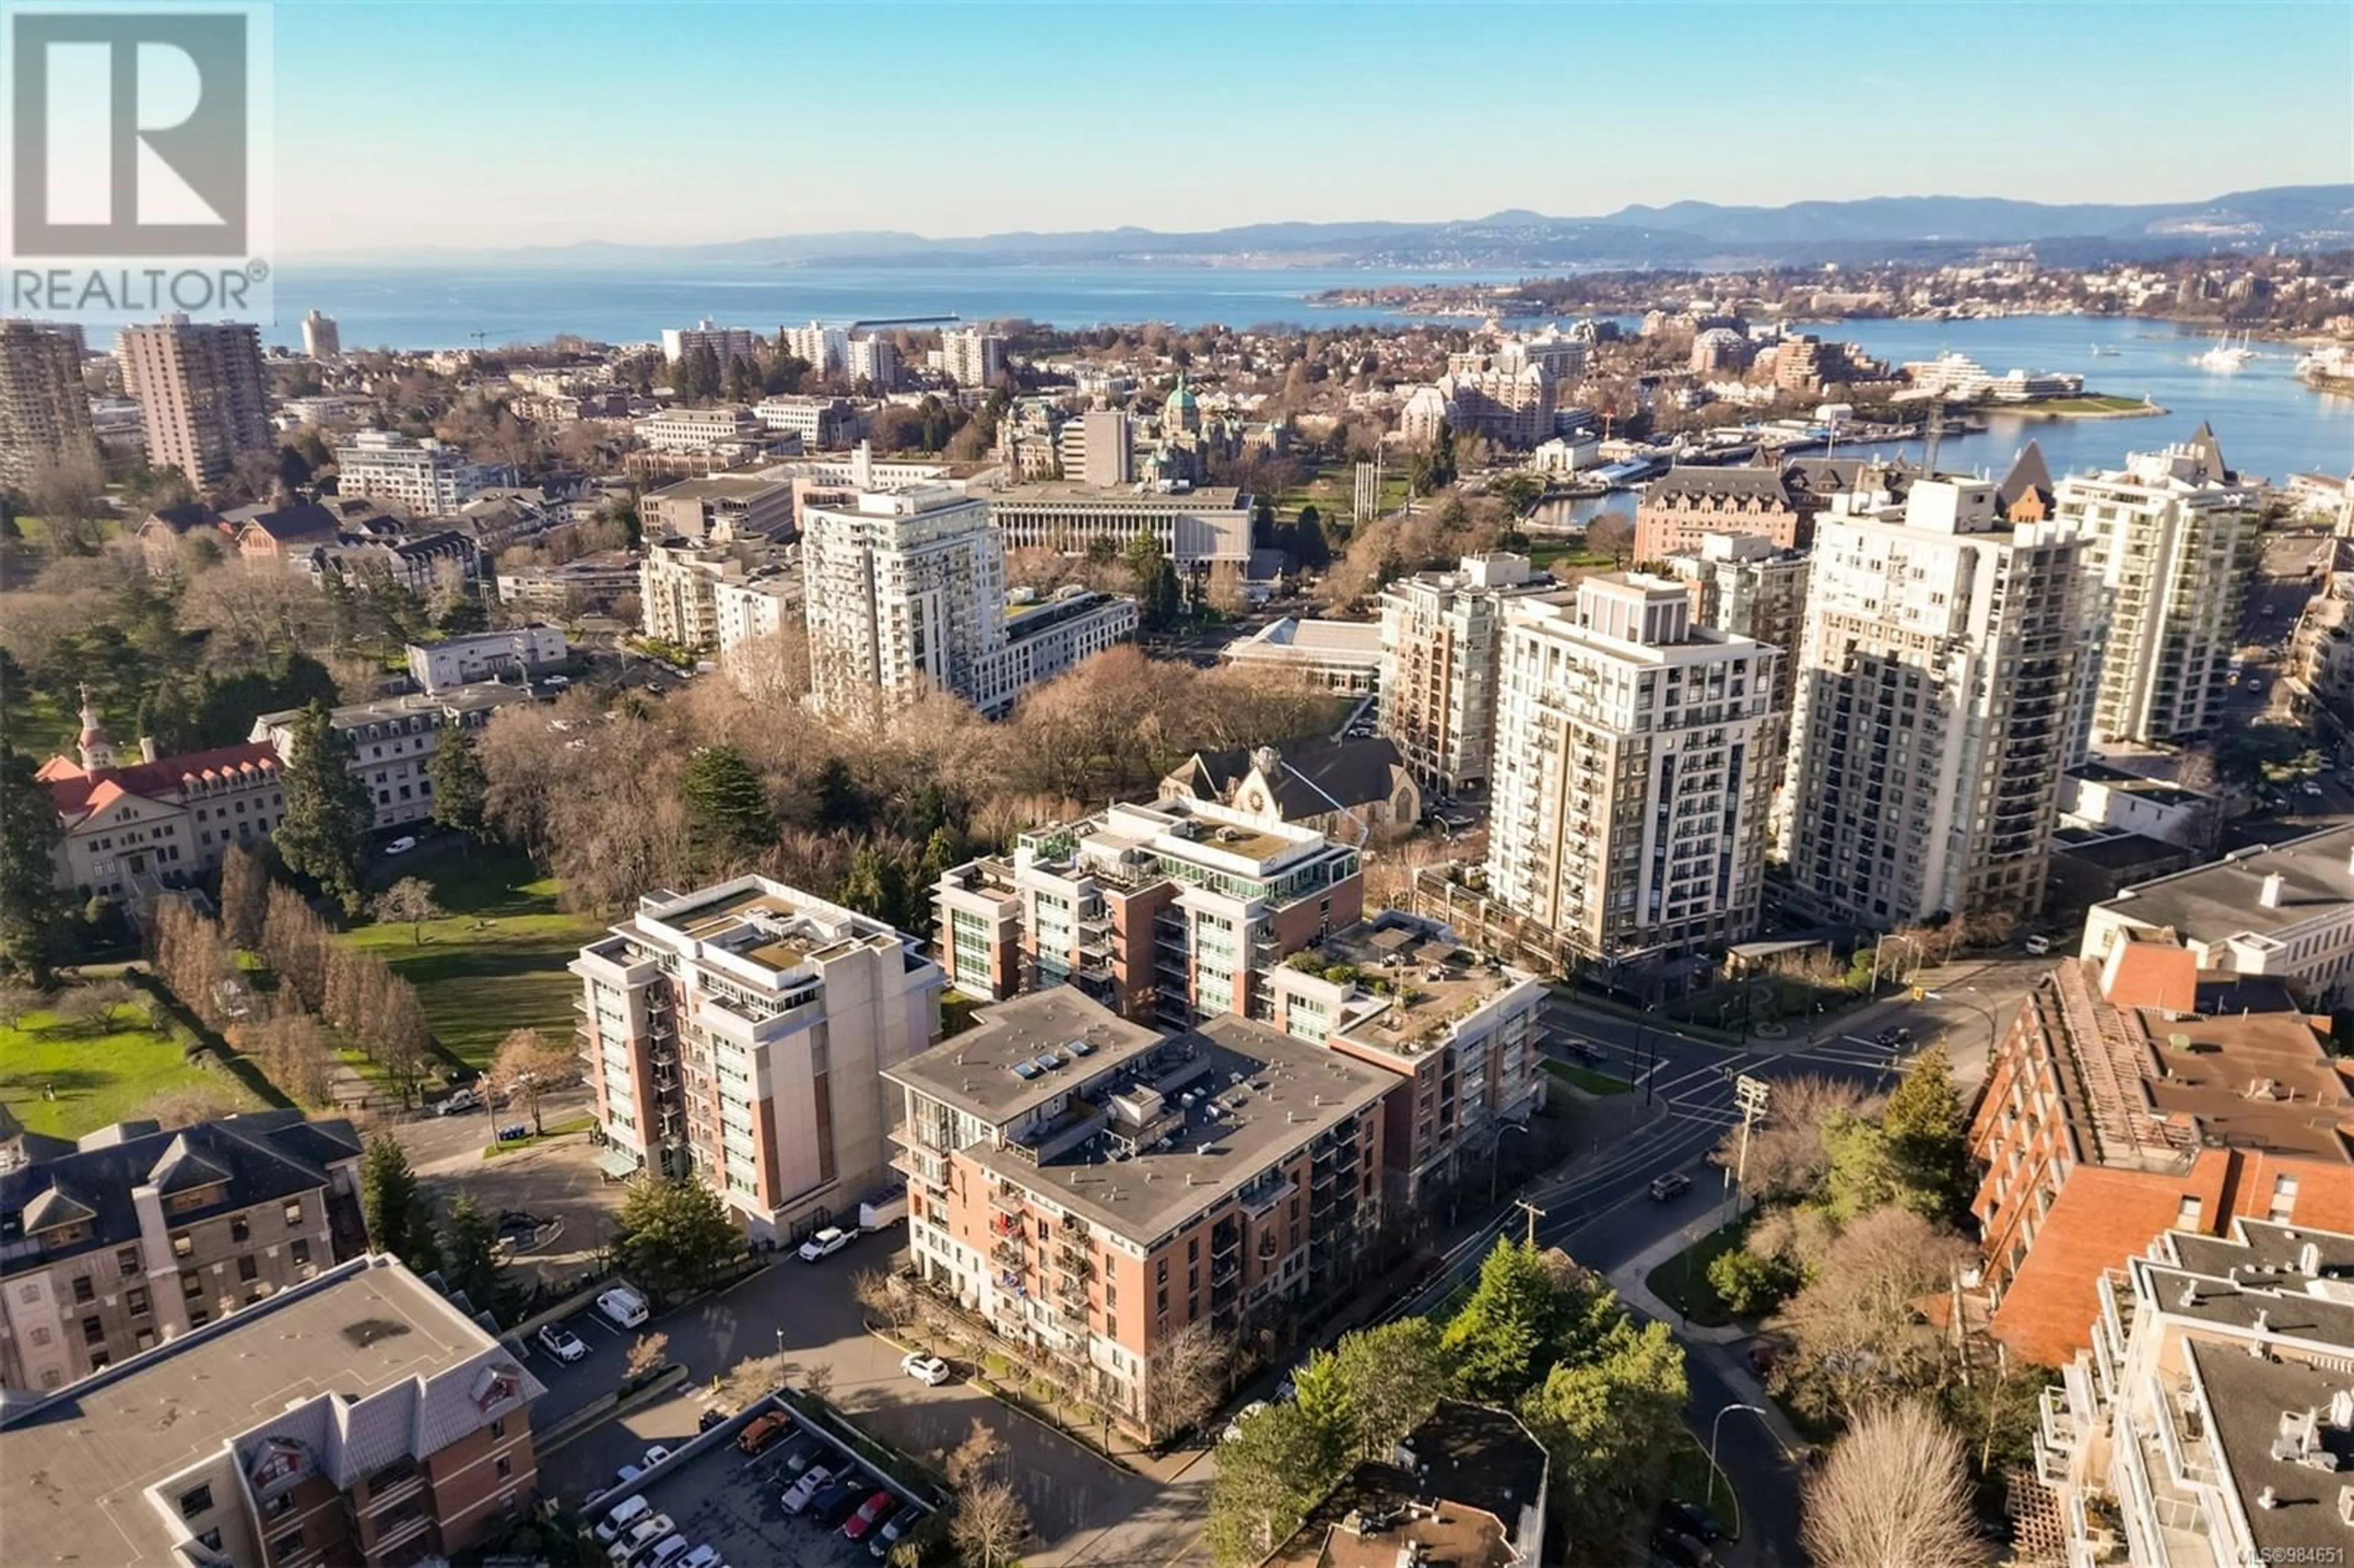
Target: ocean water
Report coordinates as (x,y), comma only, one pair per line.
(2268,422)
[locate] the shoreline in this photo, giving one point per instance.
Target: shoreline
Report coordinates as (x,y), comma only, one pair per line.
(2145,410)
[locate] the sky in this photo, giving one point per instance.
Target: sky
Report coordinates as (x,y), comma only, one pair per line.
(406,123)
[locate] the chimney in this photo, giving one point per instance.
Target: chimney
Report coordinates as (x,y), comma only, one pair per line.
(2270,896)
(147,748)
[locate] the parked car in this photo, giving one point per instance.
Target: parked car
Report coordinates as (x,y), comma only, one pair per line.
(764,1431)
(801,1453)
(625,1513)
(640,1536)
(709,1419)
(562,1343)
(879,1544)
(870,1512)
(1683,1550)
(2037,945)
(815,1479)
(1669,1186)
(623,1306)
(400,846)
(656,1454)
(1690,1518)
(621,1478)
(706,1556)
(834,1504)
(929,1370)
(665,1552)
(460,1100)
(825,1243)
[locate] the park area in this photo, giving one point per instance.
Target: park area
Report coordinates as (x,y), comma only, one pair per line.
(63,1076)
(493,962)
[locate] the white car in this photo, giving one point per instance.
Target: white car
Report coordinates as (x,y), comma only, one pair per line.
(460,1100)
(665,1554)
(562,1343)
(1235,1428)
(815,1479)
(400,846)
(929,1370)
(640,1536)
(706,1556)
(624,1515)
(624,1307)
(826,1243)
(655,1455)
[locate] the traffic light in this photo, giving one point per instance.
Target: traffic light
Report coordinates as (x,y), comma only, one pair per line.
(1919,991)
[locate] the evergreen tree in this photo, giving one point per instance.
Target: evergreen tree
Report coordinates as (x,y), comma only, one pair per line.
(1309,545)
(874,885)
(459,782)
(470,1261)
(1614,1420)
(840,802)
(1927,1137)
(729,816)
(672,1235)
(327,810)
(31,910)
(1158,597)
(398,1221)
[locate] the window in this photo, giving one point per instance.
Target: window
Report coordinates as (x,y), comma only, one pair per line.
(280,1506)
(93,1330)
(2187,1216)
(301,1249)
(192,1284)
(85,1290)
(498,1428)
(294,1212)
(182,1244)
(248,1266)
(199,1501)
(505,1469)
(41,1335)
(211,1538)
(134,1302)
(287,1544)
(2284,1200)
(240,1229)
(126,1262)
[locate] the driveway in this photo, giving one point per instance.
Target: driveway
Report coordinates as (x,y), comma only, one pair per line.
(1087,1510)
(555,1182)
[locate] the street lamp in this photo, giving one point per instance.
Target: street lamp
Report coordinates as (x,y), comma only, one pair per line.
(1716,1426)
(1994,1032)
(1495,1152)
(1911,942)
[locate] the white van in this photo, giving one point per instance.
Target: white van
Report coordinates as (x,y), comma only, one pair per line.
(2037,945)
(623,1306)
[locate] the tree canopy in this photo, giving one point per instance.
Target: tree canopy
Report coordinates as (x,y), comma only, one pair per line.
(328,814)
(672,1235)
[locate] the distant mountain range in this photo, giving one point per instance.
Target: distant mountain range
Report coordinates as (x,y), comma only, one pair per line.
(1683,234)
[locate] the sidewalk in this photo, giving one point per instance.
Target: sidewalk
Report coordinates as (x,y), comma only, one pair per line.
(1631,1280)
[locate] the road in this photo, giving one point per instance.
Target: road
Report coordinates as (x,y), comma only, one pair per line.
(1605,1216)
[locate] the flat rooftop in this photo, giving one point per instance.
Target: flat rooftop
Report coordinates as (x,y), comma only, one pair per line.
(976,1069)
(76,1466)
(1480,1462)
(718,487)
(1207,498)
(769,923)
(1439,985)
(2265,1255)
(1296,635)
(2211,902)
(1266,1094)
(2250,1398)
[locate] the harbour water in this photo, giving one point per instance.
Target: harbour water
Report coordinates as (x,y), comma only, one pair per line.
(2270,424)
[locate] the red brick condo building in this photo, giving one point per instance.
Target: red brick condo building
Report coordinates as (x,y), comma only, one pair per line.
(2134,1096)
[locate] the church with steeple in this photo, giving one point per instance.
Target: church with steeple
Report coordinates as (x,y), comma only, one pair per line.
(131,829)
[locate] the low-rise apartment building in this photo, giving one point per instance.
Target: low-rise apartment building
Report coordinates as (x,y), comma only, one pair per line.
(823,424)
(357,1418)
(1466,1037)
(136,1235)
(2210,1423)
(725,343)
(1161,911)
(1439,636)
(393,740)
(1157,910)
(128,830)
(735,1034)
(1045,637)
(723,509)
(430,479)
(485,656)
(1090,1187)
(2284,911)
(679,584)
(2135,1097)
(699,431)
(1195,527)
(762,603)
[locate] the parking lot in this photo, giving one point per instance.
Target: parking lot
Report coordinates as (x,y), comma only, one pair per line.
(571,1384)
(556,1182)
(1086,1509)
(734,1504)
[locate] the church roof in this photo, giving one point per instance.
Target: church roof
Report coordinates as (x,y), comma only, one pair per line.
(2211,452)
(2028,475)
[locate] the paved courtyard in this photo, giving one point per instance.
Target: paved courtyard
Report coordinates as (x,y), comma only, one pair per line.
(556,1182)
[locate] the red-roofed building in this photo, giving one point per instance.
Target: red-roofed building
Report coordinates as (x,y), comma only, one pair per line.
(131,829)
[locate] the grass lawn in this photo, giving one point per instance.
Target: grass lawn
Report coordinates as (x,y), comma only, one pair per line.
(99,1078)
(1544,554)
(1704,1307)
(555,1129)
(1585,1079)
(495,962)
(2095,402)
(1331,489)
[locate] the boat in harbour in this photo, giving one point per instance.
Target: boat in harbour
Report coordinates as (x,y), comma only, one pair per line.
(2226,357)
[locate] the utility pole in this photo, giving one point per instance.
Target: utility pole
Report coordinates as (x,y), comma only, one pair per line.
(1535,1214)
(1751,1095)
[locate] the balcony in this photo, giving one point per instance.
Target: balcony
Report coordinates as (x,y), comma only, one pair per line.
(1007,1200)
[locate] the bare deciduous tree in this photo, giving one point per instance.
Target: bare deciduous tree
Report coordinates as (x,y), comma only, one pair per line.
(529,1066)
(646,1352)
(409,902)
(1786,1156)
(1856,1333)
(244,896)
(1186,1377)
(1895,1490)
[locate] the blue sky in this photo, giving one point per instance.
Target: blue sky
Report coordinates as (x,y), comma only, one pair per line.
(408,122)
